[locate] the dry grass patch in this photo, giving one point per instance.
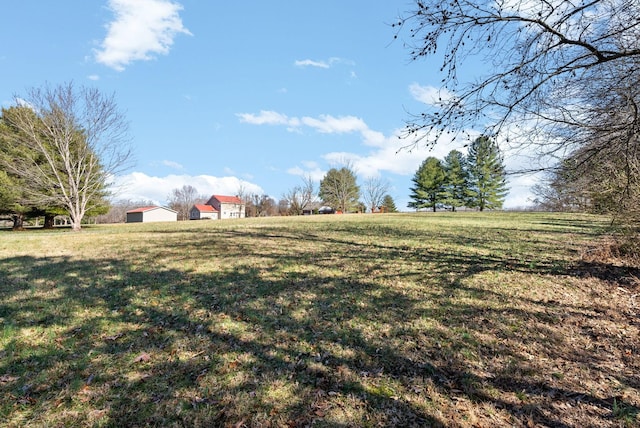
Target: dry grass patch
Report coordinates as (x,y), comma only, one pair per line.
(373,320)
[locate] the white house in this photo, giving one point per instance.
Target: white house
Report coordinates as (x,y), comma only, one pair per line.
(199,212)
(151,214)
(227,206)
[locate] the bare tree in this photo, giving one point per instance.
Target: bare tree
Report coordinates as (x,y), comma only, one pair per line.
(542,58)
(259,205)
(374,190)
(183,199)
(301,196)
(80,141)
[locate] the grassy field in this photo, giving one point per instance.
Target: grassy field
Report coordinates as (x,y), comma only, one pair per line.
(462,319)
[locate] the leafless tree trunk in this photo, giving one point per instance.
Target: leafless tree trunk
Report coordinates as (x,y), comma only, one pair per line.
(183,199)
(374,190)
(300,197)
(80,140)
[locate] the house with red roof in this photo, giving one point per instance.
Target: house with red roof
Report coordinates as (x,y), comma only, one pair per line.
(151,214)
(227,206)
(219,207)
(201,211)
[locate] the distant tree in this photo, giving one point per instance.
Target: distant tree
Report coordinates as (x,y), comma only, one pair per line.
(267,206)
(562,190)
(300,197)
(457,179)
(258,205)
(182,199)
(389,204)
(340,190)
(428,185)
(373,192)
(487,178)
(283,207)
(76,141)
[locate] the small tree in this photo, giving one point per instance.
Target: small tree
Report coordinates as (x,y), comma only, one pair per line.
(340,190)
(457,179)
(373,192)
(300,197)
(79,142)
(429,185)
(487,178)
(389,204)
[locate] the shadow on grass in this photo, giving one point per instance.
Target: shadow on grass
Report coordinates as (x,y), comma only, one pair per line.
(332,333)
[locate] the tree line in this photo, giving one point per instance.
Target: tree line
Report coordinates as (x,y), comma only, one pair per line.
(476,181)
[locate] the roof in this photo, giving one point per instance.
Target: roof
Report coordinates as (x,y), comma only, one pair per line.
(150,208)
(228,199)
(205,208)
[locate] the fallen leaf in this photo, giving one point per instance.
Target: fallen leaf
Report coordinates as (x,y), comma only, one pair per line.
(114,337)
(7,378)
(142,358)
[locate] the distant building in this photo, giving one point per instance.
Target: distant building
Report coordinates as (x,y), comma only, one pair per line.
(151,214)
(227,206)
(200,212)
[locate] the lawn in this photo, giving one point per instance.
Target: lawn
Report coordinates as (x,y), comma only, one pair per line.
(453,319)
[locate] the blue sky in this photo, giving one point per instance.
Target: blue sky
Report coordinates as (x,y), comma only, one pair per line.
(227,94)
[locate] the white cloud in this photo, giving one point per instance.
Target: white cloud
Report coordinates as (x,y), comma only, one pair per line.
(328,124)
(93,77)
(268,118)
(323,63)
(141,30)
(311,169)
(139,186)
(429,94)
(172,164)
(311,63)
(325,124)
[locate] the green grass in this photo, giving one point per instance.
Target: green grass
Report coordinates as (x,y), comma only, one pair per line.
(455,319)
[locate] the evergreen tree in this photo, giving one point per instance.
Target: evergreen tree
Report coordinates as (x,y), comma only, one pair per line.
(429,185)
(457,179)
(389,204)
(487,178)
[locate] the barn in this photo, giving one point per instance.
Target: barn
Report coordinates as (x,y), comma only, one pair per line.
(151,214)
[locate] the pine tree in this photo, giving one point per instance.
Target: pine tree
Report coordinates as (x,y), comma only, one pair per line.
(457,179)
(487,178)
(389,204)
(429,189)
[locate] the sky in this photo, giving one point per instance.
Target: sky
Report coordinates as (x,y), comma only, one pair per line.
(227,95)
